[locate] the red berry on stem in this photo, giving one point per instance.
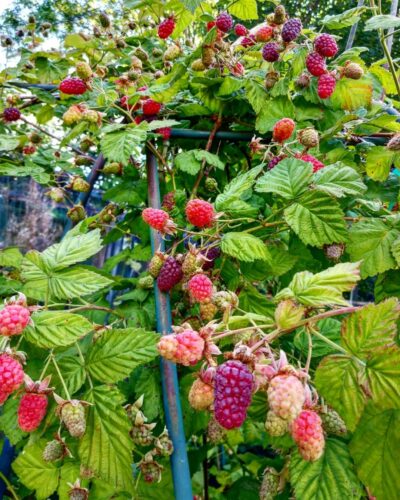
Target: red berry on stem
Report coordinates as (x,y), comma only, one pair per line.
(233,389)
(158,219)
(283,129)
(11,114)
(291,30)
(317,165)
(73,86)
(11,374)
(264,34)
(224,22)
(248,41)
(325,45)
(241,30)
(151,107)
(13,319)
(200,213)
(326,85)
(165,132)
(170,275)
(185,348)
(31,411)
(200,288)
(308,433)
(166,28)
(315,64)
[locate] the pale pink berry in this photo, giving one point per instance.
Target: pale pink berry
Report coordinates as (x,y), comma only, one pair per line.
(13,319)
(286,396)
(308,433)
(201,395)
(185,348)
(200,288)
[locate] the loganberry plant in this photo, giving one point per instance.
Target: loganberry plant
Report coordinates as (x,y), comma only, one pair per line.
(277,161)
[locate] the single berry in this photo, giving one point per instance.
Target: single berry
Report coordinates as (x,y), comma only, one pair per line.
(200,213)
(303,81)
(275,160)
(150,470)
(326,86)
(308,137)
(201,395)
(155,264)
(283,129)
(73,86)
(13,319)
(11,114)
(77,492)
(317,165)
(270,52)
(394,143)
(334,251)
(325,45)
(332,422)
(269,484)
(224,22)
(264,34)
(291,30)
(172,52)
(286,396)
(190,264)
(248,41)
(104,20)
(200,288)
(151,107)
(315,64)
(271,79)
(353,70)
(146,282)
(241,30)
(207,311)
(215,432)
(185,348)
(83,70)
(211,184)
(309,436)
(166,27)
(275,425)
(232,393)
(3,396)
(11,373)
(53,451)
(73,415)
(279,15)
(210,25)
(207,56)
(31,411)
(142,434)
(211,255)
(198,65)
(159,220)
(170,275)
(30,149)
(237,69)
(165,132)
(72,115)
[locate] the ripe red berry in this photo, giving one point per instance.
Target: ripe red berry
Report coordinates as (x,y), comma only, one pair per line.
(264,34)
(165,132)
(315,64)
(200,213)
(170,275)
(166,28)
(241,30)
(11,114)
(326,85)
(224,22)
(29,150)
(317,165)
(200,288)
(185,348)
(291,30)
(308,433)
(31,411)
(270,52)
(248,41)
(151,107)
(325,45)
(73,86)
(283,129)
(233,388)
(159,220)
(11,373)
(13,319)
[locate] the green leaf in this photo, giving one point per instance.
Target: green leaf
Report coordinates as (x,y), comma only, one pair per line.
(352,94)
(72,249)
(332,476)
(209,158)
(117,352)
(383,372)
(256,95)
(8,142)
(76,282)
(239,188)
(69,473)
(344,19)
(374,448)
(382,22)
(230,87)
(10,257)
(245,247)
(395,251)
(317,219)
(272,111)
(192,4)
(75,41)
(119,146)
(338,380)
(56,328)
(371,327)
(186,162)
(329,328)
(288,179)
(244,9)
(339,180)
(8,418)
(378,162)
(34,472)
(106,447)
(73,372)
(371,242)
(324,288)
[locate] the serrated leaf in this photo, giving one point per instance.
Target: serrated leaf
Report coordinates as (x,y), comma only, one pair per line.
(378,162)
(73,372)
(245,247)
(56,328)
(332,476)
(338,379)
(69,473)
(344,19)
(72,249)
(192,4)
(10,257)
(352,94)
(76,282)
(339,180)
(8,418)
(371,242)
(34,472)
(8,143)
(256,95)
(383,372)
(186,162)
(238,189)
(317,219)
(148,382)
(371,327)
(209,158)
(324,288)
(272,111)
(374,448)
(119,146)
(288,179)
(117,352)
(244,9)
(329,328)
(383,22)
(395,250)
(106,446)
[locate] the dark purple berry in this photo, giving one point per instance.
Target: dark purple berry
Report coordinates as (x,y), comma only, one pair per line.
(270,52)
(170,275)
(291,30)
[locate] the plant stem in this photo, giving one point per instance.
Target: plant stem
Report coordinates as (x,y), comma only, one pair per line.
(60,377)
(9,486)
(83,362)
(46,365)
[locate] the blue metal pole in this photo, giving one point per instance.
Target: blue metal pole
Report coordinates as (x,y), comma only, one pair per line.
(6,457)
(169,375)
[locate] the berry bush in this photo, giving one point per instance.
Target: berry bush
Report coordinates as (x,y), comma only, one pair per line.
(277,158)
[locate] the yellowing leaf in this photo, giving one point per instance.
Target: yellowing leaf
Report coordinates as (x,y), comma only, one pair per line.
(352,94)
